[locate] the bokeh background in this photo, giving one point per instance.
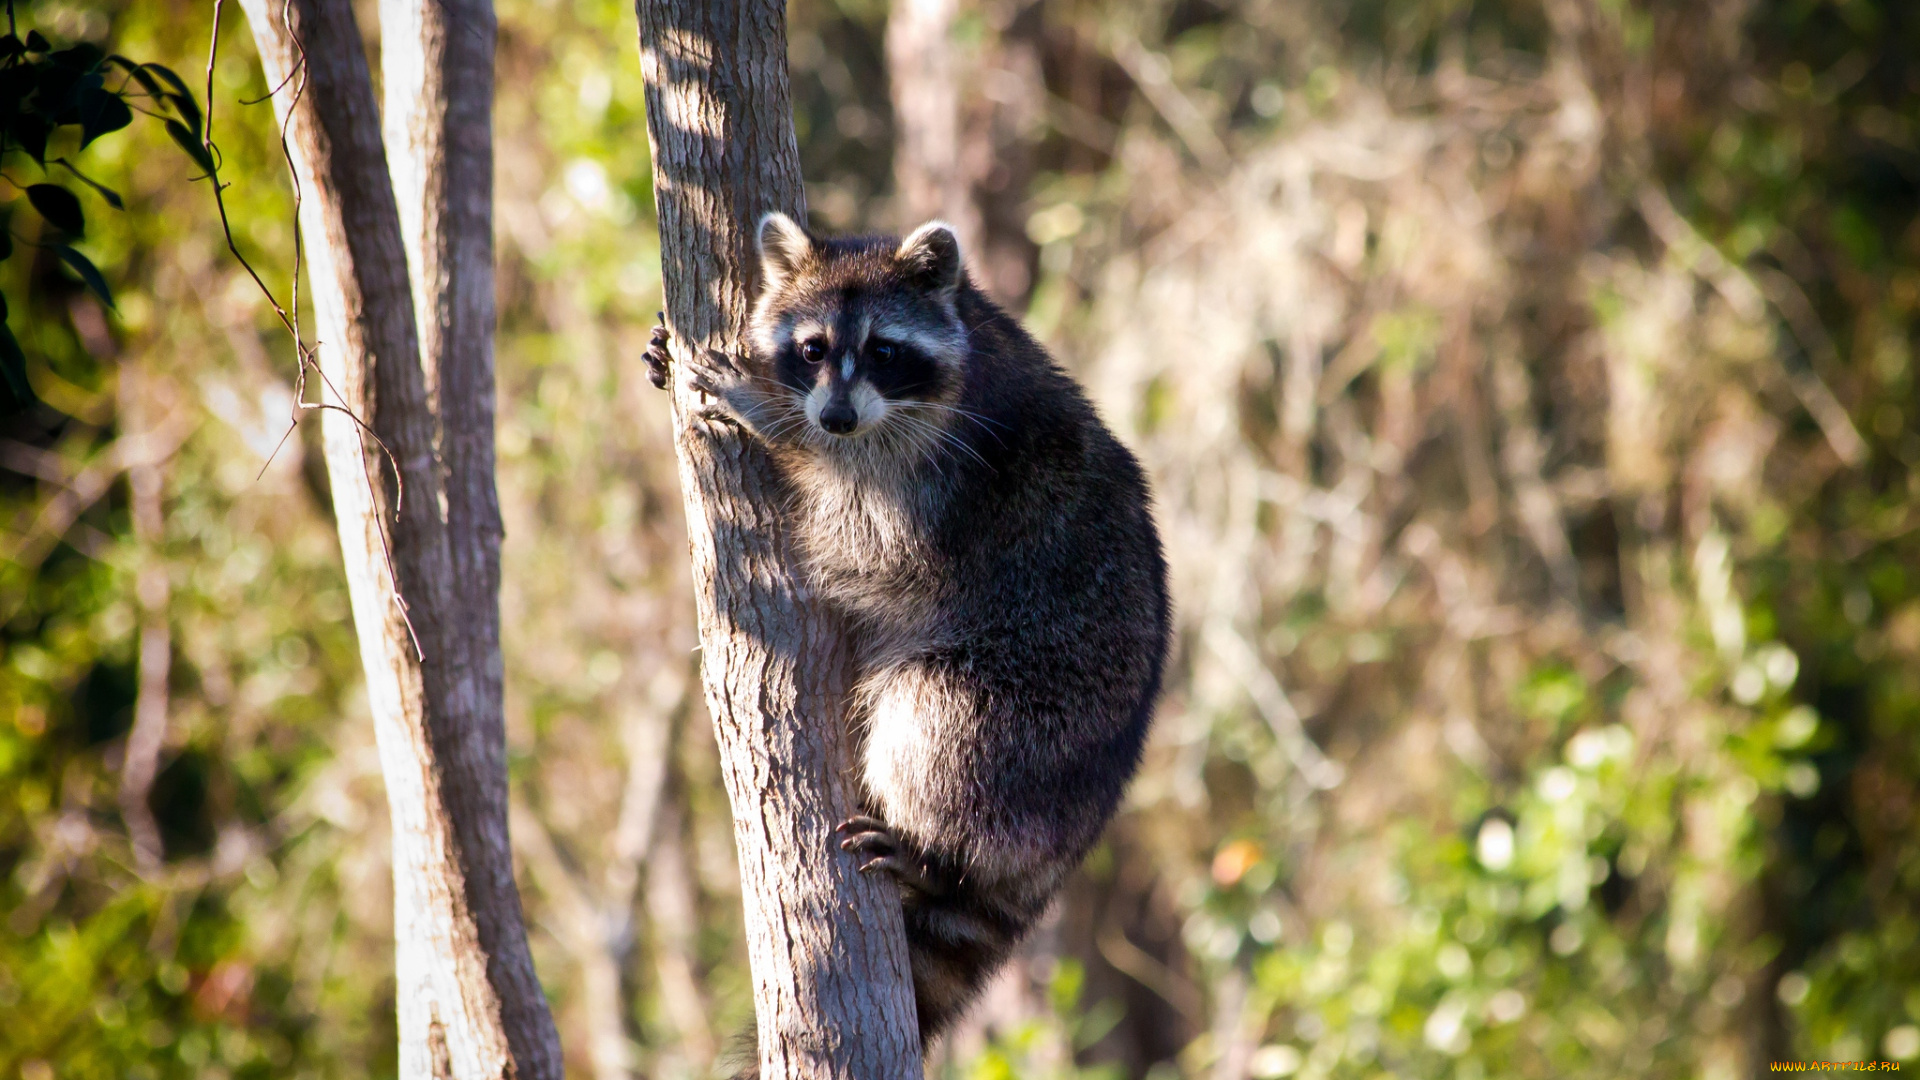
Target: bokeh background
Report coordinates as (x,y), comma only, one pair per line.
(1528,387)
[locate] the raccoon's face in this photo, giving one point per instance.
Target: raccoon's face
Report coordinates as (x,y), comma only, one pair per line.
(860,336)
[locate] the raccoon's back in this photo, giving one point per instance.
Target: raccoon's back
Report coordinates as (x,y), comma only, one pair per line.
(1028,536)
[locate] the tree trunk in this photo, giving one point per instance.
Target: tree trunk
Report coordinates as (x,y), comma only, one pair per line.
(423,586)
(826,945)
(966,123)
(922,70)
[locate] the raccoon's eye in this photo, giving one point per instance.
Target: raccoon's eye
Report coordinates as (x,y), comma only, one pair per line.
(882,352)
(813,350)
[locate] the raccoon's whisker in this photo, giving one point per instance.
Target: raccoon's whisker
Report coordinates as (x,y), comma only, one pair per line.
(785,425)
(941,406)
(938,439)
(903,430)
(987,424)
(945,438)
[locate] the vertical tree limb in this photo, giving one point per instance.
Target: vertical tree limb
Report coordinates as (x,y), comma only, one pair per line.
(672,900)
(436,63)
(469,1005)
(966,120)
(826,946)
(146,474)
(922,71)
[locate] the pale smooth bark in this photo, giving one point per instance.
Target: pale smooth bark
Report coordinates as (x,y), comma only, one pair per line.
(151,589)
(596,919)
(924,75)
(826,945)
(965,123)
(469,1004)
(673,914)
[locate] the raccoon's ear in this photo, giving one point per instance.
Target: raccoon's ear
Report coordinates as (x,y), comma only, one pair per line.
(784,246)
(931,257)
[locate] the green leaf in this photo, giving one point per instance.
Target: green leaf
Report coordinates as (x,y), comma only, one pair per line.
(181,97)
(13,374)
(53,90)
(191,144)
(16,83)
(36,43)
(29,132)
(77,91)
(100,113)
(84,56)
(90,274)
(59,206)
(111,196)
(139,73)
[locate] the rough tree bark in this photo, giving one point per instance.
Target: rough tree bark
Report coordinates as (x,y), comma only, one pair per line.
(826,945)
(423,585)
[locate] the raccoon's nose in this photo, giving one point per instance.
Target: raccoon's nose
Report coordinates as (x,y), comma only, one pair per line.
(839,418)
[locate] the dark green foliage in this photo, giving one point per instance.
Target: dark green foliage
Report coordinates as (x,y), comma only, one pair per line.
(42,90)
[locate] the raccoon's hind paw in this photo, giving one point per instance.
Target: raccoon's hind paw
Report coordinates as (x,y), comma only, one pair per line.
(873,841)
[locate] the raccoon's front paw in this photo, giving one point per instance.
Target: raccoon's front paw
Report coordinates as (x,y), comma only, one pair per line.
(715,375)
(709,374)
(659,360)
(872,840)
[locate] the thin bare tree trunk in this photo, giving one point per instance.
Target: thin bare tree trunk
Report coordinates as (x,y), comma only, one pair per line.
(145,477)
(924,74)
(826,945)
(673,915)
(966,121)
(587,927)
(469,1004)
(596,920)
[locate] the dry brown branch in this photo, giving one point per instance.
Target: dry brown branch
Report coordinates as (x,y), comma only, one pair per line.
(1150,71)
(584,925)
(1748,298)
(673,913)
(48,525)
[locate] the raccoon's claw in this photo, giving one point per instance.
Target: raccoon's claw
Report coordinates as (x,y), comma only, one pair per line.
(711,373)
(868,836)
(902,871)
(706,374)
(698,380)
(658,359)
(871,836)
(861,823)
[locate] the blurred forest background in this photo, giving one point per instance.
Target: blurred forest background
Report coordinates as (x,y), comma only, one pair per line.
(1529,389)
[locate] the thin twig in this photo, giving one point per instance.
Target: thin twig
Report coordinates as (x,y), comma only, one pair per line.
(306,356)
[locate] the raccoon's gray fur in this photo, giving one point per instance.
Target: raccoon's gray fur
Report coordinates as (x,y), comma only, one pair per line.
(992,545)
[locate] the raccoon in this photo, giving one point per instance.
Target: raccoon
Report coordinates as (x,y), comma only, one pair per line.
(993,550)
